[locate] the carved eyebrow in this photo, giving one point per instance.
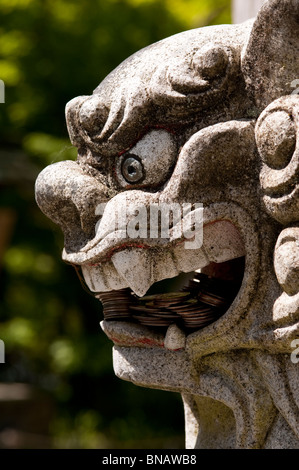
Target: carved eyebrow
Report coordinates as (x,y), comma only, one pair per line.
(145,131)
(163,94)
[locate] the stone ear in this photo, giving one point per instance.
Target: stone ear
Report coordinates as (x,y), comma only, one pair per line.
(277,139)
(270,59)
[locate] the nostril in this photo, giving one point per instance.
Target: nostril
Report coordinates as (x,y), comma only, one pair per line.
(69,198)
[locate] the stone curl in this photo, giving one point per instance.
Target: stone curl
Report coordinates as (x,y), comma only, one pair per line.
(158,94)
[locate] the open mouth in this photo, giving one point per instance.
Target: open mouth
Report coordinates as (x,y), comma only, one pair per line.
(151,295)
(172,308)
(204,298)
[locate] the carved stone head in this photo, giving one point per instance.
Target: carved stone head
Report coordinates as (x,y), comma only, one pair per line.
(207,117)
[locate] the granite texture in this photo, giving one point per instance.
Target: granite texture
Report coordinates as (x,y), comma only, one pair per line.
(207,116)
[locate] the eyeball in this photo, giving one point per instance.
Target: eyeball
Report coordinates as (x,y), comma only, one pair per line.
(132,169)
(150,162)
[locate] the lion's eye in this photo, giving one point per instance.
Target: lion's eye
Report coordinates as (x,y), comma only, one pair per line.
(150,162)
(132,169)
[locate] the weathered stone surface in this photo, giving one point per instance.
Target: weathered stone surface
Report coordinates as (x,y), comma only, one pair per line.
(270,60)
(207,116)
(175,338)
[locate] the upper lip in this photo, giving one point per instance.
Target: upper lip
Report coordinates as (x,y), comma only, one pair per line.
(139,266)
(103,246)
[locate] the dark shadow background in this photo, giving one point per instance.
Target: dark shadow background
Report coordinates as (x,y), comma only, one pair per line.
(57,386)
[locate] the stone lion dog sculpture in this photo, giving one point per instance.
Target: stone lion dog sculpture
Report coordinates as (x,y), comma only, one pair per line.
(209,116)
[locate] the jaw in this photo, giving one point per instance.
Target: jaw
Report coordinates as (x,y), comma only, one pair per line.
(173,309)
(125,280)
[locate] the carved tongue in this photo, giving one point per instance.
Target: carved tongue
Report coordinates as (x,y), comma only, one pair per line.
(135,266)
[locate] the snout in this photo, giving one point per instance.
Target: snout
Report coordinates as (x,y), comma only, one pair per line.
(69,197)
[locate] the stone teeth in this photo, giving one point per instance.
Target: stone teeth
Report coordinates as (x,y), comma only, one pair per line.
(165,268)
(222,242)
(189,260)
(94,278)
(175,338)
(135,266)
(103,278)
(139,268)
(114,280)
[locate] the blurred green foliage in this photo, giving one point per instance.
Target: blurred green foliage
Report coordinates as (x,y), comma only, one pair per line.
(50,52)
